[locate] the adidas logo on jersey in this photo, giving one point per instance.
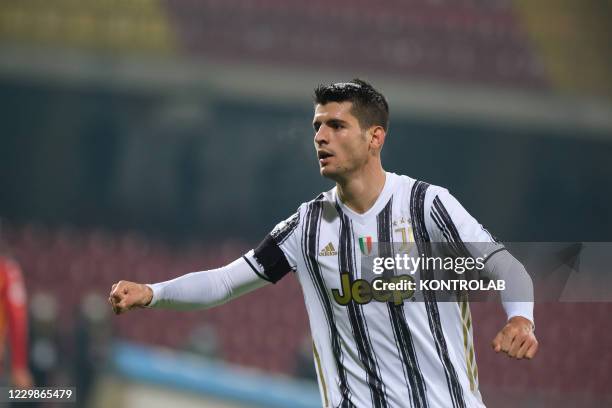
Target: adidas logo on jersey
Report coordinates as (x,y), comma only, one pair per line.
(329,250)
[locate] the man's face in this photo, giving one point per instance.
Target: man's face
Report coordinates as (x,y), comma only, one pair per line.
(342,146)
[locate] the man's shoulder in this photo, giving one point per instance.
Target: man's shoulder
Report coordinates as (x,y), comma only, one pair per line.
(326,197)
(411,182)
(285,228)
(413,188)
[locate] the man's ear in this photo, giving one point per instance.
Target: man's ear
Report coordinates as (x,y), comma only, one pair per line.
(377,139)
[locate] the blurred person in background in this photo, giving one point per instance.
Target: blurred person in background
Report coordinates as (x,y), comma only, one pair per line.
(14,322)
(45,340)
(381,354)
(91,343)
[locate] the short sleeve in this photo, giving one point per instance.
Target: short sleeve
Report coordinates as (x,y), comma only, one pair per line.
(277,253)
(447,221)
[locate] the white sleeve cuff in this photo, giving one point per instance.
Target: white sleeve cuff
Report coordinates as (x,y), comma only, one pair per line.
(156,288)
(523,309)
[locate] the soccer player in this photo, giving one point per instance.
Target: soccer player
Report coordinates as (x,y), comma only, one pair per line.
(14,322)
(376,353)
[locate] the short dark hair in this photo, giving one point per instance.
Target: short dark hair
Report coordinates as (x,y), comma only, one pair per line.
(369,106)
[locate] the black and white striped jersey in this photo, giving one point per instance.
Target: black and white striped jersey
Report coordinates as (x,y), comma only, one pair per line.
(379,354)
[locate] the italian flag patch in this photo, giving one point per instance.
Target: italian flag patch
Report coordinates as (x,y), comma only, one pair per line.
(365,244)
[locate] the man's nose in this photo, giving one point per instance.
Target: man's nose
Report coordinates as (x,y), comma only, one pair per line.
(321,136)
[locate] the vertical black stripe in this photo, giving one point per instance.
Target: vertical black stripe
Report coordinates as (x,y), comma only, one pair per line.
(346,262)
(455,239)
(310,243)
(421,236)
(445,223)
(445,232)
(401,331)
(285,232)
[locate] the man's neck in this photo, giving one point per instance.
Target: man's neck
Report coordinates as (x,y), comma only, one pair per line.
(360,192)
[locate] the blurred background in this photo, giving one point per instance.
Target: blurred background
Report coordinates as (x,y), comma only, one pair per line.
(143,139)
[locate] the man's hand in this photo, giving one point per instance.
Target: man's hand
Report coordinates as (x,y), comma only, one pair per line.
(516,339)
(125,296)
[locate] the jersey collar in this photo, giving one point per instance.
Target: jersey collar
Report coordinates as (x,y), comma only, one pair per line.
(379,204)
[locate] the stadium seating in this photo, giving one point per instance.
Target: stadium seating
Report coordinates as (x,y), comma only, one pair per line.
(473,41)
(467,41)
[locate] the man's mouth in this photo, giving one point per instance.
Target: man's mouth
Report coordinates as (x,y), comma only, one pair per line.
(323,156)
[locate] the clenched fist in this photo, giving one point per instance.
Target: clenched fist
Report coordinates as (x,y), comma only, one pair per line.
(516,339)
(125,296)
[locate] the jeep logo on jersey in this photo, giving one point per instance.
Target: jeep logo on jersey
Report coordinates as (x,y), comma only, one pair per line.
(395,290)
(365,244)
